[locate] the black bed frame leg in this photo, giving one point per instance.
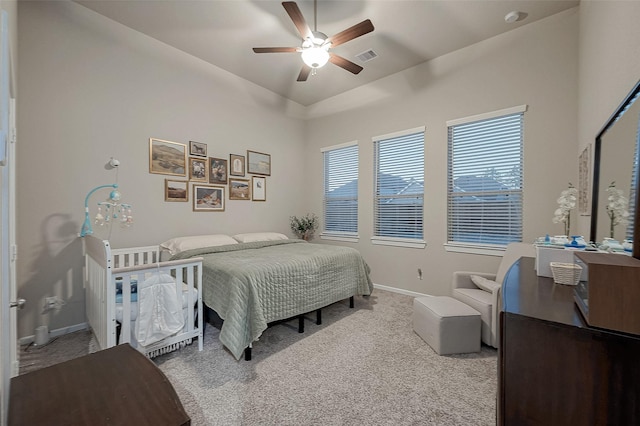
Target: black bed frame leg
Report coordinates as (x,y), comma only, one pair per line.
(351,302)
(247,354)
(319,316)
(300,323)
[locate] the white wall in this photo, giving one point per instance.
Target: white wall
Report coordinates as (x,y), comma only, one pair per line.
(11,7)
(609,65)
(92,89)
(535,65)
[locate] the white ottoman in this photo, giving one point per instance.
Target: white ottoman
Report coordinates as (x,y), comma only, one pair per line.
(447,325)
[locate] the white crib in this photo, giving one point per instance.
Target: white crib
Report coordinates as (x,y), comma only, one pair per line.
(103,265)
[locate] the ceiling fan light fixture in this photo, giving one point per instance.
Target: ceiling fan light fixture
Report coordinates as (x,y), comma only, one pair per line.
(315,45)
(315,56)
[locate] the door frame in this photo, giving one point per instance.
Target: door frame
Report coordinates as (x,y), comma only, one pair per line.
(8,249)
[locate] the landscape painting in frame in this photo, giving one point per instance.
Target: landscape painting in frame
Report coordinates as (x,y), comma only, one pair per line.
(167,158)
(176,190)
(208,198)
(259,163)
(236,163)
(198,169)
(217,171)
(197,148)
(259,188)
(239,189)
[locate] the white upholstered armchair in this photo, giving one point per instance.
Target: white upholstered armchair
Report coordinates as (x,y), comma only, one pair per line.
(481,290)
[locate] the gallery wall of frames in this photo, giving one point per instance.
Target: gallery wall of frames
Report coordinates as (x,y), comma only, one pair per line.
(205,179)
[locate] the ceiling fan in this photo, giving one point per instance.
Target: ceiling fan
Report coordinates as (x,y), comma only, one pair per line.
(315,45)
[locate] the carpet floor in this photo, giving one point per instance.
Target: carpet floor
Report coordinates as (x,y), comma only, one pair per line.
(361,366)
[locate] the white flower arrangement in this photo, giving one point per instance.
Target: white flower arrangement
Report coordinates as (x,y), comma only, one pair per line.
(566,202)
(617,205)
(304,227)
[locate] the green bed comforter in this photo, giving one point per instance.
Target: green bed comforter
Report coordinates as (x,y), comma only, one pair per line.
(252,284)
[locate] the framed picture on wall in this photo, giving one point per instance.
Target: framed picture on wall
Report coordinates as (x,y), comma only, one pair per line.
(176,190)
(198,169)
(584,179)
(239,189)
(198,149)
(167,158)
(217,171)
(208,198)
(258,163)
(259,188)
(236,165)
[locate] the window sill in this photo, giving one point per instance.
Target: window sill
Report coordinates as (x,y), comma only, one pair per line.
(399,242)
(344,238)
(487,250)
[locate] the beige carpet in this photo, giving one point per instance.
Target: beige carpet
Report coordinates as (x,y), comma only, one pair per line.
(59,349)
(361,366)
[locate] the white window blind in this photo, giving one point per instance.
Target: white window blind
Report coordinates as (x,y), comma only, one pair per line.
(485,180)
(341,190)
(399,185)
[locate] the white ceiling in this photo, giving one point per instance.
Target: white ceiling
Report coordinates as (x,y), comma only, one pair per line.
(223,33)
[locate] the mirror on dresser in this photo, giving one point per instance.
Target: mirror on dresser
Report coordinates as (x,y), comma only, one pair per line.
(615,159)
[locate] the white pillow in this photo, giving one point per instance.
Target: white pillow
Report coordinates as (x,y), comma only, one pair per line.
(179,244)
(484,283)
(259,236)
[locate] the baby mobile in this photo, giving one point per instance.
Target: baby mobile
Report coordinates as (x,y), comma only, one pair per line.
(110,211)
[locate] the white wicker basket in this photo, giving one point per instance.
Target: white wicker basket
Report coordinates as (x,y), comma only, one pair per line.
(565,273)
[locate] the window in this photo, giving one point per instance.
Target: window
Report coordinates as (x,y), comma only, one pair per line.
(484,179)
(399,188)
(341,191)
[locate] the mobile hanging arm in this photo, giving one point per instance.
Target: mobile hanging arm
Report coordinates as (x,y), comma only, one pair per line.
(86,227)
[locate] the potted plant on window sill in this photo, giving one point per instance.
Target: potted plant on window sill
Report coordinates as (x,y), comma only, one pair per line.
(304,227)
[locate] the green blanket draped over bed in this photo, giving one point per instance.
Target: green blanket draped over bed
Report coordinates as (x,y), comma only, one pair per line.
(252,284)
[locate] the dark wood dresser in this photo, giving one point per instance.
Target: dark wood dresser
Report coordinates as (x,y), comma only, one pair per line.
(554,369)
(117,386)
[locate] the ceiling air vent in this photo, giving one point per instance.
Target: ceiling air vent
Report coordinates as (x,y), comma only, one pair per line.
(367,55)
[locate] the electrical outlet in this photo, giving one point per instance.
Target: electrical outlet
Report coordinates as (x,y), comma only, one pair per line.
(419,273)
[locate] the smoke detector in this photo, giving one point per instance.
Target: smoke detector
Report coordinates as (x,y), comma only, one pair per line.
(512,17)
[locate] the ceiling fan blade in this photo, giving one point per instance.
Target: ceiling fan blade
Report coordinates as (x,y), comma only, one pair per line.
(298,20)
(357,30)
(275,49)
(344,63)
(304,73)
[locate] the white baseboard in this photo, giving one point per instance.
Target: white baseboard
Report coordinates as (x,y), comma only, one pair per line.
(401,291)
(55,333)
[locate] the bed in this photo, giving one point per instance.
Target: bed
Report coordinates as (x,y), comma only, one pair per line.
(112,281)
(252,282)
